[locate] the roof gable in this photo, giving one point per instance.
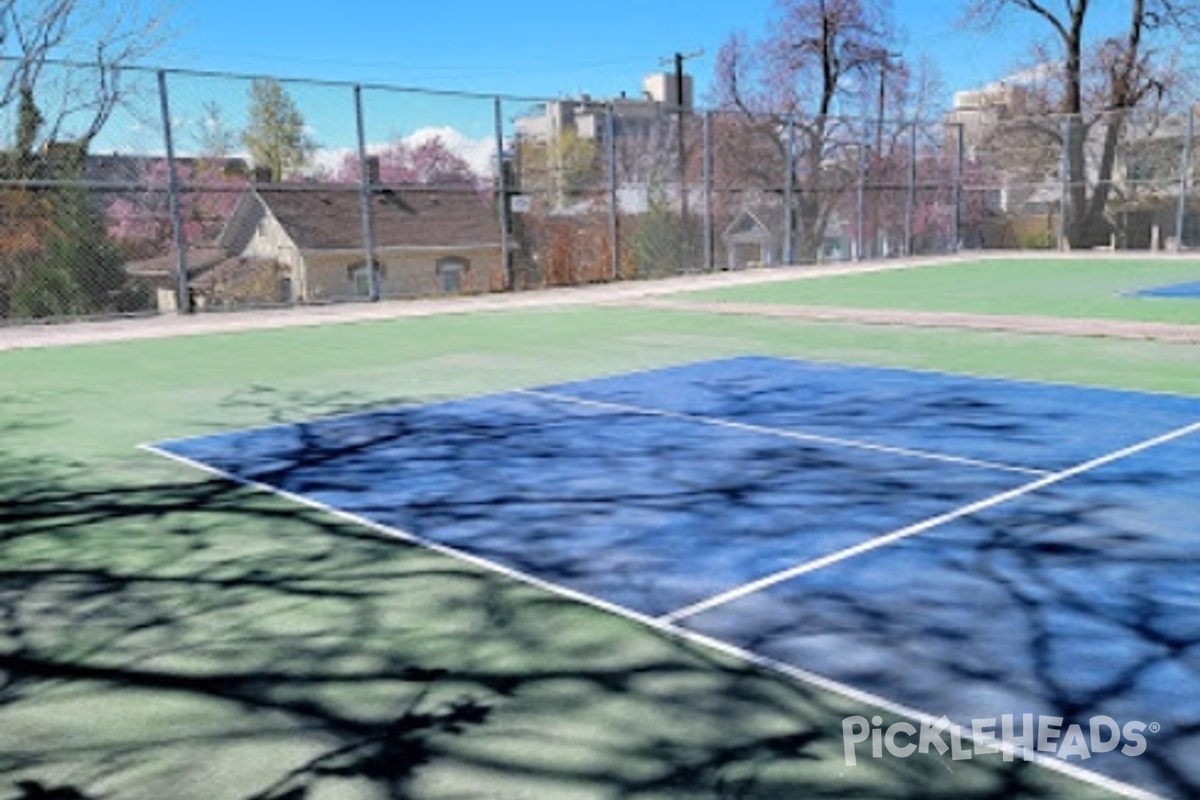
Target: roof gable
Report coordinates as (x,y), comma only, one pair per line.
(330,218)
(748,226)
(242,223)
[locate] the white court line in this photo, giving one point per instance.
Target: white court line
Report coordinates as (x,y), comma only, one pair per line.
(397,533)
(912,530)
(387,406)
(666,627)
(781,433)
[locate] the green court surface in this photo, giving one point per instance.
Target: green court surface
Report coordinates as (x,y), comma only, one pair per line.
(164,634)
(1101,288)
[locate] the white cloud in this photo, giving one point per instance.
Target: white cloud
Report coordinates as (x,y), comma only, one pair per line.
(479,154)
(328,160)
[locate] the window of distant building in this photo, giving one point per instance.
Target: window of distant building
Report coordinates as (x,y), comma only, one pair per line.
(450,272)
(359,275)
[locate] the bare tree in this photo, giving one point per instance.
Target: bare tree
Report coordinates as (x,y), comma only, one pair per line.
(818,54)
(101,35)
(1099,84)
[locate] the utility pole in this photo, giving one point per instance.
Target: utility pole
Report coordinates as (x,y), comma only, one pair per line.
(680,111)
(680,106)
(884,58)
(884,63)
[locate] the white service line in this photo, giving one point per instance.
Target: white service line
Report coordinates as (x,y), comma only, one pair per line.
(776,578)
(782,433)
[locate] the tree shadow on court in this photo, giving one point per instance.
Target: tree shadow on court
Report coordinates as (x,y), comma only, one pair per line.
(1101,589)
(169,634)
(1076,603)
(186,589)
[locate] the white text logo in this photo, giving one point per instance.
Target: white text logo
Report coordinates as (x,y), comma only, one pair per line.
(1006,734)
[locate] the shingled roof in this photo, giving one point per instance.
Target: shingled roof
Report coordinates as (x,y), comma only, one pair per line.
(330,218)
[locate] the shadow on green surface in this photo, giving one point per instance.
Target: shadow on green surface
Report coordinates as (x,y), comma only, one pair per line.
(185,637)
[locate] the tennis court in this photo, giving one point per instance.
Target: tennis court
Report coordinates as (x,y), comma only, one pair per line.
(713,495)
(663,553)
(1174,290)
(1105,288)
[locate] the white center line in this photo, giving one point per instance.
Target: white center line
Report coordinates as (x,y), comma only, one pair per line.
(783,433)
(903,533)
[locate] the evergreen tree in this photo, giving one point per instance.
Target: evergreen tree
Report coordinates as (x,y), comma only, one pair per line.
(276,136)
(79,270)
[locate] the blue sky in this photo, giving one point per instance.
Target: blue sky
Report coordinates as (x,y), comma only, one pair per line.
(531,47)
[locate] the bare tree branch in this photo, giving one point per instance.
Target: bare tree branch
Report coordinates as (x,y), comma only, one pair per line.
(1100,83)
(817,53)
(97,37)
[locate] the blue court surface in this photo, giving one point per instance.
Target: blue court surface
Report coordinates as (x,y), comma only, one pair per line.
(1190,290)
(946,545)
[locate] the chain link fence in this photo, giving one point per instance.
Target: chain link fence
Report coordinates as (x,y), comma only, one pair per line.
(267,192)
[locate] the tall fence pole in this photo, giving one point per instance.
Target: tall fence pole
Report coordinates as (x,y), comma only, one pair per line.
(364,192)
(709,217)
(183,296)
(1185,179)
(503,198)
(789,195)
(1064,201)
(614,200)
(860,210)
(960,150)
(910,194)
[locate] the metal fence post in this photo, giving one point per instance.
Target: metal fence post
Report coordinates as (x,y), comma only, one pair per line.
(364,192)
(709,220)
(614,200)
(504,210)
(959,176)
(1064,201)
(910,195)
(789,195)
(860,211)
(1185,179)
(182,289)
